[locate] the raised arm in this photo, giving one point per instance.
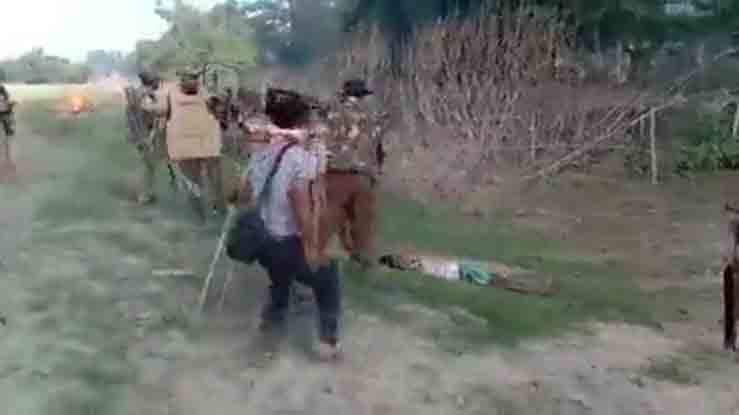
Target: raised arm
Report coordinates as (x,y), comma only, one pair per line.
(302,203)
(259,127)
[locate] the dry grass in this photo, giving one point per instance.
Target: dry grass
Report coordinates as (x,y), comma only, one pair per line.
(478,105)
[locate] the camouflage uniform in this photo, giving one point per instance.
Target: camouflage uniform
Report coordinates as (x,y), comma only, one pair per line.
(354,145)
(7,119)
(354,141)
(6,112)
(150,143)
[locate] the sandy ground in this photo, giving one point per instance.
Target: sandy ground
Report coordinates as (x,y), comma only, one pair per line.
(81,312)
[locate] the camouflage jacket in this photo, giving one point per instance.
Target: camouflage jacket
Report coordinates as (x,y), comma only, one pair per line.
(354,137)
(146,114)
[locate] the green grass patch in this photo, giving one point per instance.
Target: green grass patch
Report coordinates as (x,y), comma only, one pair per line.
(587,291)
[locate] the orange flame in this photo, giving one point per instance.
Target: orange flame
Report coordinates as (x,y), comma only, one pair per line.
(76,104)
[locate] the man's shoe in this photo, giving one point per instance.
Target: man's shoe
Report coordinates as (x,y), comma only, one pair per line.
(329,351)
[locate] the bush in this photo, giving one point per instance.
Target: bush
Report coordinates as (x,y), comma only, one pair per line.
(708,146)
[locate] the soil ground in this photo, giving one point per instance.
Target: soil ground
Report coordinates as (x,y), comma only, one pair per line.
(88,328)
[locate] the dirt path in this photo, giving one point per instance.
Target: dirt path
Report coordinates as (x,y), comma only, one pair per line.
(89,330)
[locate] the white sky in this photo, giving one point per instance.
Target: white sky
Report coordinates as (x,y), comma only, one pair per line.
(70,28)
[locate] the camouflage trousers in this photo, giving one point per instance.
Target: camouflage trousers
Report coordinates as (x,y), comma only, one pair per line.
(207,174)
(8,130)
(8,121)
(151,156)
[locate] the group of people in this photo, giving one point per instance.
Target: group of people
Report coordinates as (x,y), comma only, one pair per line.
(176,126)
(301,151)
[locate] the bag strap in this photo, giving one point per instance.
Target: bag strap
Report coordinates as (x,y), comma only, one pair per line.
(275,168)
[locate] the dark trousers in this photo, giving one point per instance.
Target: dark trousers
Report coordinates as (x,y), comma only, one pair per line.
(8,123)
(285,263)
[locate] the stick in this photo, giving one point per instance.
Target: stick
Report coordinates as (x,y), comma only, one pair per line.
(653,143)
(226,285)
(532,129)
(172,177)
(216,257)
(172,273)
(735,125)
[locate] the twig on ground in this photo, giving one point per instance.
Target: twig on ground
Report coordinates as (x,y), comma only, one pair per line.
(172,273)
(216,257)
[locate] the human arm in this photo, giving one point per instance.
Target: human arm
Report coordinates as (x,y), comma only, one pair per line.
(256,126)
(303,203)
(241,195)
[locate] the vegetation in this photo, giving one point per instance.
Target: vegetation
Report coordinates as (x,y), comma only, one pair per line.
(35,67)
(708,146)
(586,291)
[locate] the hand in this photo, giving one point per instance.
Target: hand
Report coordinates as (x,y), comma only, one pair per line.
(313,257)
(233,197)
(299,134)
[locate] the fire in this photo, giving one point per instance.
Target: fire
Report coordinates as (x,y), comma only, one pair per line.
(77,104)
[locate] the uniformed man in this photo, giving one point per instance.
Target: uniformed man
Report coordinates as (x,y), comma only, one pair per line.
(355,147)
(7,119)
(194,143)
(147,113)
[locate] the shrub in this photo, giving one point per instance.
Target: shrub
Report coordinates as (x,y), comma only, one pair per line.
(707,146)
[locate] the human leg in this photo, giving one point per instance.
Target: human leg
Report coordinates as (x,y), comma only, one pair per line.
(8,121)
(4,148)
(283,261)
(326,286)
(362,217)
(192,170)
(146,195)
(215,179)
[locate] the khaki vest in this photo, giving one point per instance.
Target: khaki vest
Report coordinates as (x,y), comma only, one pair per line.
(192,132)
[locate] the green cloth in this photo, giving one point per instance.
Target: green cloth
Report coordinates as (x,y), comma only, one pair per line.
(475,273)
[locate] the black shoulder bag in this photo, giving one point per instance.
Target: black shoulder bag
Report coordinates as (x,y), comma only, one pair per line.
(249,235)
